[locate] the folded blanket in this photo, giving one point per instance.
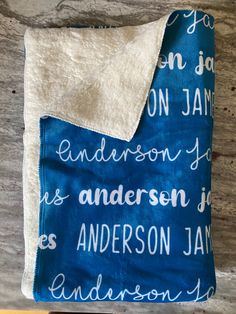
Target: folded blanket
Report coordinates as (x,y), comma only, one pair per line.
(117,162)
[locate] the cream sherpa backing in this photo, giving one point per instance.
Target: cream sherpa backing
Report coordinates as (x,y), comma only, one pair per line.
(94,78)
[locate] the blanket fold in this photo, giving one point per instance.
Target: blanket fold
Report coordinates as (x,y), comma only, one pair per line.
(94,78)
(117,161)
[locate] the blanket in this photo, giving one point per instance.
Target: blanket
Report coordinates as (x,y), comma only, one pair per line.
(117,162)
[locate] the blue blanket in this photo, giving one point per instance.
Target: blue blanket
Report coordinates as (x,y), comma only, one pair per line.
(131,221)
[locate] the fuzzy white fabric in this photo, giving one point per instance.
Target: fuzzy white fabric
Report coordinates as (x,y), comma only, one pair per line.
(94,78)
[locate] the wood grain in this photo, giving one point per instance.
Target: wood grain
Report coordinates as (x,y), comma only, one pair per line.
(15,16)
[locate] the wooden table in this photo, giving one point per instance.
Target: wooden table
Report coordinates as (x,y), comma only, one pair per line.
(15,16)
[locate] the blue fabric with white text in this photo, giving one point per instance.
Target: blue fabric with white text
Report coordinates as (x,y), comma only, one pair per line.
(131,221)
